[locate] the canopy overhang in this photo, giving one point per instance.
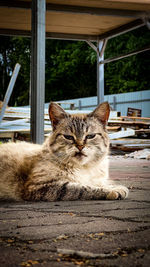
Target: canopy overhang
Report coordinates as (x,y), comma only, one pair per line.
(76,19)
(87,20)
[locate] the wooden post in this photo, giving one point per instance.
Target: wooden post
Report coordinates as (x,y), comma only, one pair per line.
(9,89)
(38,71)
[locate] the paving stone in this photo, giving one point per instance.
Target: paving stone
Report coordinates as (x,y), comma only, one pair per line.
(33,233)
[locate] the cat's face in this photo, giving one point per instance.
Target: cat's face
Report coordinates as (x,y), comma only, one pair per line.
(78,139)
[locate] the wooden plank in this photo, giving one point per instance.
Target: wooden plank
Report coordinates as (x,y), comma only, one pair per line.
(142,131)
(9,124)
(113,128)
(9,133)
(14,15)
(61,22)
(21,128)
(122,134)
(135,118)
(9,90)
(115,119)
(139,124)
(82,24)
(122,4)
(130,141)
(129,145)
(129,148)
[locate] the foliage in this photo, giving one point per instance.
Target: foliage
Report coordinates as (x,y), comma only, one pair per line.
(13,50)
(71,67)
(69,70)
(132,73)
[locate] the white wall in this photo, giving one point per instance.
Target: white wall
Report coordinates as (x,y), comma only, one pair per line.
(139,100)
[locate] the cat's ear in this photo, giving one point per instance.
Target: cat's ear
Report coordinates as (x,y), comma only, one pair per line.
(56,113)
(101,112)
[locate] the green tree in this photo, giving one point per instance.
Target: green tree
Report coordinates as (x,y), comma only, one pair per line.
(132,73)
(71,67)
(5,50)
(15,50)
(69,70)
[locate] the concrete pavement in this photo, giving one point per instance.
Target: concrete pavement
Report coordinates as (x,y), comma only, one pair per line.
(82,233)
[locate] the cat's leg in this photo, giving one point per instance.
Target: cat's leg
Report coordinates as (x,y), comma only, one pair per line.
(73,191)
(109,192)
(117,192)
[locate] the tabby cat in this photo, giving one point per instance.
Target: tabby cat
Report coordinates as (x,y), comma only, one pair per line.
(72,163)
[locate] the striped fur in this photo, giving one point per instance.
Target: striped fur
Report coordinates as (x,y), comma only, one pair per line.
(72,164)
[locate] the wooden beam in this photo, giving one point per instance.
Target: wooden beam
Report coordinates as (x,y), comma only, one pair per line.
(16,4)
(133,25)
(96,11)
(73,36)
(74,9)
(122,134)
(126,124)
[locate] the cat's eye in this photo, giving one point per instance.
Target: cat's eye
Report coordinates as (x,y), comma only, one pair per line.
(69,137)
(90,136)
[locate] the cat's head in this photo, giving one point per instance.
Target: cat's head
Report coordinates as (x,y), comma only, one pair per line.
(79,138)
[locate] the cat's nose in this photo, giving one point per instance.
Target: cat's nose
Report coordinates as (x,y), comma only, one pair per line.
(80,147)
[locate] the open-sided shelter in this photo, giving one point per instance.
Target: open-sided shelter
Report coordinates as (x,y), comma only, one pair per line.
(87,20)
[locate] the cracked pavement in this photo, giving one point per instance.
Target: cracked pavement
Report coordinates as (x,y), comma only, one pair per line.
(82,233)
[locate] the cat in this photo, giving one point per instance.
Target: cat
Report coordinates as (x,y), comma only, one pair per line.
(72,164)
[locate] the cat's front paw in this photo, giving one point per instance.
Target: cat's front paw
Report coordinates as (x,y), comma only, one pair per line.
(119,192)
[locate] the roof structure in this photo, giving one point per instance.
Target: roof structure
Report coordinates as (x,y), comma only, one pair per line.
(76,19)
(87,20)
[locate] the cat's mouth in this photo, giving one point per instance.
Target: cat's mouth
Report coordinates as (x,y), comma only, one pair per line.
(80,155)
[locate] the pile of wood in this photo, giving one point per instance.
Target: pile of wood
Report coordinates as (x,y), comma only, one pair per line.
(129,133)
(126,133)
(16,124)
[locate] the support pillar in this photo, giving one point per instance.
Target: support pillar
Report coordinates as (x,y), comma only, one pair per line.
(100,73)
(38,71)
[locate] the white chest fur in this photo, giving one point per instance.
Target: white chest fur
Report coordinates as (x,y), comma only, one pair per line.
(94,174)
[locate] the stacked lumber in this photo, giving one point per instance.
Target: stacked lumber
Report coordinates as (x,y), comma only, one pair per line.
(137,127)
(126,133)
(16,123)
(137,123)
